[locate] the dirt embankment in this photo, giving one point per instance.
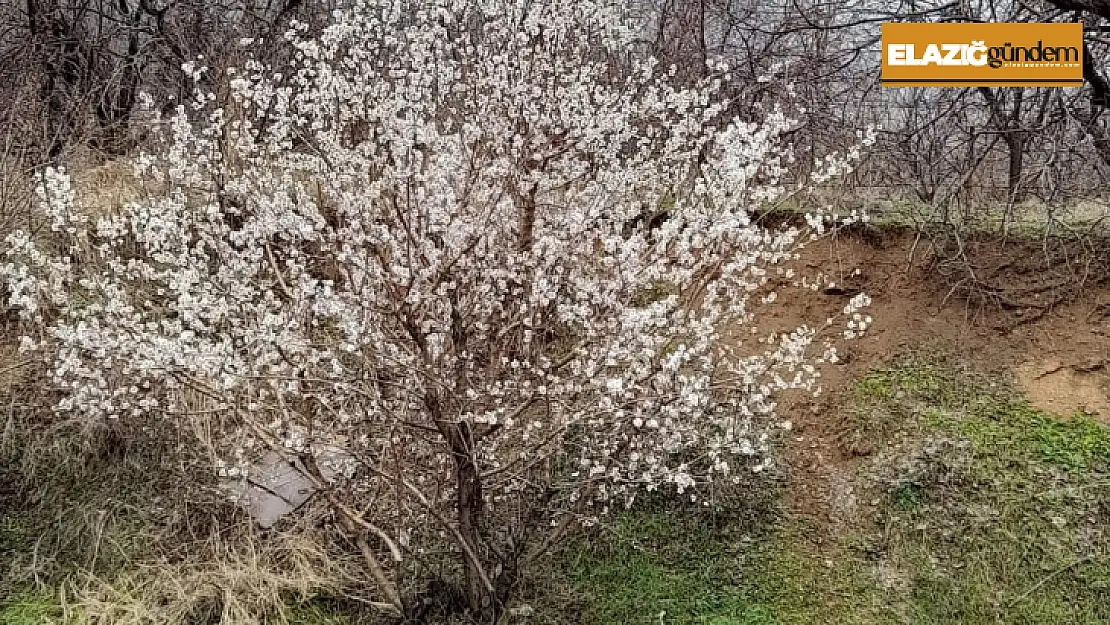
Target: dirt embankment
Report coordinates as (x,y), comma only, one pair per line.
(1004,309)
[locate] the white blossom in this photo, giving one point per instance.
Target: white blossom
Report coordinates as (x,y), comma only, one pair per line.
(427,232)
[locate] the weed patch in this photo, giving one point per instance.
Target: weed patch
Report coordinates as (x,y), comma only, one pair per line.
(999,518)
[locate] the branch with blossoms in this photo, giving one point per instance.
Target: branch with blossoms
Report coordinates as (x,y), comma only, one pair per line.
(426,247)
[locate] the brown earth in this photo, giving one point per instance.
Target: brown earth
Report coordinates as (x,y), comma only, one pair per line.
(1004,309)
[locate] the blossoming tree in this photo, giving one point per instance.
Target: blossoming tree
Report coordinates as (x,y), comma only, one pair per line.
(485,248)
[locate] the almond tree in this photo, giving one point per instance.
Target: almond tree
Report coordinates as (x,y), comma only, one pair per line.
(484,248)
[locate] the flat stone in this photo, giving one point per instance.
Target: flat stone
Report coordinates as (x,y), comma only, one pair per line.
(276,487)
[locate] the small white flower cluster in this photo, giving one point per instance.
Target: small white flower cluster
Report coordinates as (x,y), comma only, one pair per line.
(834,165)
(237,468)
(296,439)
(857,322)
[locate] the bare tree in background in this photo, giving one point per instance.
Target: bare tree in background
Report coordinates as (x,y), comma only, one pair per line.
(89,59)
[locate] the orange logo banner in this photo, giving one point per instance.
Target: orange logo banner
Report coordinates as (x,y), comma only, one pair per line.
(982,55)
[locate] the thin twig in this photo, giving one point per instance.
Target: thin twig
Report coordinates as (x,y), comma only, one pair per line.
(1048,578)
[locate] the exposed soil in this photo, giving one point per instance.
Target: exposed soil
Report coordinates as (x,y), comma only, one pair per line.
(1019,318)
(1062,389)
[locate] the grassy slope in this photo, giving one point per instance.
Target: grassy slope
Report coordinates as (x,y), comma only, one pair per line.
(980,510)
(977,509)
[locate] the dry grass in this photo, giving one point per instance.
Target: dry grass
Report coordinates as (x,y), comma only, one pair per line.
(102,536)
(105,188)
(234,582)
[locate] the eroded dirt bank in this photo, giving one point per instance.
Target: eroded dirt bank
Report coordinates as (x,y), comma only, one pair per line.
(1004,309)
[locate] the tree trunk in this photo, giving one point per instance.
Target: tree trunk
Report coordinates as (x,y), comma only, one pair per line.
(469,506)
(1015,144)
(469,502)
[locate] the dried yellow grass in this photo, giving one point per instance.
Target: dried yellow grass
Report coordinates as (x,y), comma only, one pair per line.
(104,189)
(245,582)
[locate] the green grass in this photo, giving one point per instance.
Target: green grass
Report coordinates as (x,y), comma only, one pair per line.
(30,609)
(316,614)
(34,608)
(656,561)
(1009,507)
(986,511)
(663,566)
